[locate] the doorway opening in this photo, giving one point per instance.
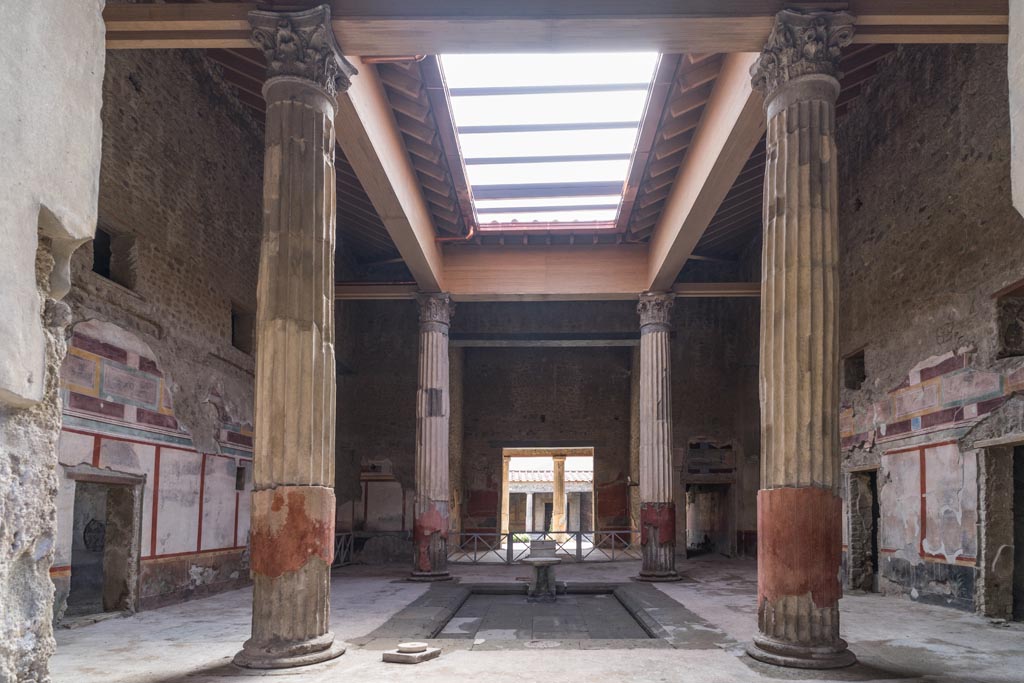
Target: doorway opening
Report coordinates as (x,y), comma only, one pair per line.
(546,492)
(103,550)
(708,509)
(863,541)
(1018,533)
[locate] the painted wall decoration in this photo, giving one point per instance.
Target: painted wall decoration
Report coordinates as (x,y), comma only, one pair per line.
(119,417)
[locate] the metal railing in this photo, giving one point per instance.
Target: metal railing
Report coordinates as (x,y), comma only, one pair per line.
(342,549)
(576,546)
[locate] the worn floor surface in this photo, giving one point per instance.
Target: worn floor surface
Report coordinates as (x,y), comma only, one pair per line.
(895,639)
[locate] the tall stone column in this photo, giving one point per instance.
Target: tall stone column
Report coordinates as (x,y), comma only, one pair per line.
(506,498)
(799,510)
(529,512)
(558,498)
(430,532)
(657,510)
(292,537)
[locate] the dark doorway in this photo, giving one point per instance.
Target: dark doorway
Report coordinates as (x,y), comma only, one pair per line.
(708,519)
(1018,533)
(548,507)
(102,533)
(863,546)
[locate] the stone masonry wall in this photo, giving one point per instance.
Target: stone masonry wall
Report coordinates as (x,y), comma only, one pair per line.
(50,86)
(153,385)
(928,236)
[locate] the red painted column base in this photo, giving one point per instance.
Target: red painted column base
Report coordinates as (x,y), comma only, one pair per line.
(430,543)
(292,546)
(798,556)
(658,542)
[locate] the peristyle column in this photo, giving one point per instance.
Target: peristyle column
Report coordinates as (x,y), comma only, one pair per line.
(430,530)
(799,510)
(657,511)
(292,530)
(558,498)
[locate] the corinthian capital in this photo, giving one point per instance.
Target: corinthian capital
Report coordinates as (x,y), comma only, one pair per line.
(302,44)
(654,308)
(801,44)
(435,308)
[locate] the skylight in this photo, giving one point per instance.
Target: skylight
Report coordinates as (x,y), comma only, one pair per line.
(547,138)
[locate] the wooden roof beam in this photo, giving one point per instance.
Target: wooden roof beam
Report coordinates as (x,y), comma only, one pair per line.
(732,125)
(373,145)
(414,27)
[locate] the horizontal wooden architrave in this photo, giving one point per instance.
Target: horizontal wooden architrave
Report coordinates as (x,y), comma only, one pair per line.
(403,27)
(557,272)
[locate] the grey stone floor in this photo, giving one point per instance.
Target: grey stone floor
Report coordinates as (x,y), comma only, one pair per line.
(895,639)
(571,617)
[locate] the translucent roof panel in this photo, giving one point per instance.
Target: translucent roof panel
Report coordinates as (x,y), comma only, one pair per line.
(548,172)
(547,138)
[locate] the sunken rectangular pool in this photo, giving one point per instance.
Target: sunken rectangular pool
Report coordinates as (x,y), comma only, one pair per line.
(502,615)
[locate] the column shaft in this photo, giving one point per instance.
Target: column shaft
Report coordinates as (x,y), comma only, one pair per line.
(292,536)
(430,532)
(558,498)
(506,499)
(657,510)
(799,508)
(529,512)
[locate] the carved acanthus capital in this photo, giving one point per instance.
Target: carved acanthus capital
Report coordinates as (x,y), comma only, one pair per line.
(801,44)
(655,308)
(302,44)
(435,308)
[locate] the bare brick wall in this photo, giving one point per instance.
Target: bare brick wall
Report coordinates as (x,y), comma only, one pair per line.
(182,174)
(928,235)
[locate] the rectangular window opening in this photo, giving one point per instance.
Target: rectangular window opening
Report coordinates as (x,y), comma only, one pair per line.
(114,257)
(854,371)
(243,329)
(1010,323)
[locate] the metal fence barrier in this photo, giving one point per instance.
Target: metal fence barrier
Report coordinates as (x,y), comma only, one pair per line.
(513,547)
(342,549)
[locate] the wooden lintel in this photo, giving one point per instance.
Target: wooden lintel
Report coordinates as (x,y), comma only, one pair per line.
(547,340)
(374,147)
(724,290)
(414,27)
(555,272)
(732,125)
(368,291)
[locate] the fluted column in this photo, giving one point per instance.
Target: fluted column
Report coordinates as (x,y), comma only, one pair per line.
(657,510)
(506,499)
(558,498)
(292,537)
(430,530)
(799,510)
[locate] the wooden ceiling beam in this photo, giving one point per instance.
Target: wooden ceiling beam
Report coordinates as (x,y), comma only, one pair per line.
(406,27)
(732,125)
(558,272)
(374,147)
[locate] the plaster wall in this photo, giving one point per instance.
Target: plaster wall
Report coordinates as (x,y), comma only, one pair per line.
(50,86)
(1015,73)
(928,236)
